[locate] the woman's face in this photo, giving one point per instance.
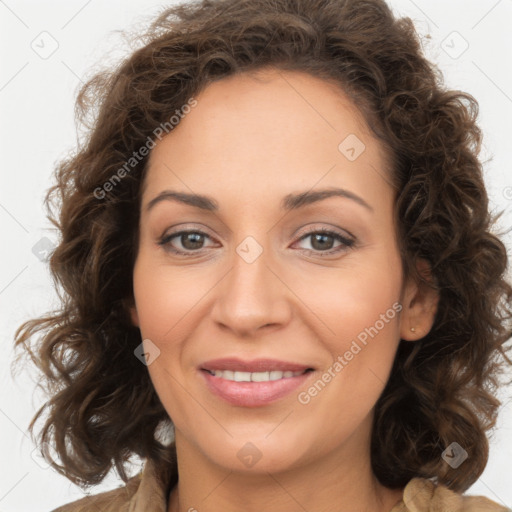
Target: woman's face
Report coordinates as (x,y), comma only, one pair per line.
(256,289)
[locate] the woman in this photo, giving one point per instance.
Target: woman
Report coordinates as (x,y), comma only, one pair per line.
(278,275)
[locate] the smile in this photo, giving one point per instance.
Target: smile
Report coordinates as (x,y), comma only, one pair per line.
(253,389)
(240,376)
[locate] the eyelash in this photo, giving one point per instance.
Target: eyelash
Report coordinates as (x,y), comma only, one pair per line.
(347,243)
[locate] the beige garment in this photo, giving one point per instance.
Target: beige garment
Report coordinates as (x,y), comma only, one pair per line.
(422,495)
(144,493)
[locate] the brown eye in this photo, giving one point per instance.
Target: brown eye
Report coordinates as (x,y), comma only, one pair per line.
(322,241)
(187,241)
(191,240)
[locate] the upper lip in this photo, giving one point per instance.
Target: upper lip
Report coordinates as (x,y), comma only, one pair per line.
(256,365)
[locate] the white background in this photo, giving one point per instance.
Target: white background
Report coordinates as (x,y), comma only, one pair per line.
(37,129)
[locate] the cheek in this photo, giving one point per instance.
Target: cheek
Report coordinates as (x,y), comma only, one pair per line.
(362,351)
(165,297)
(349,300)
(359,313)
(365,333)
(164,305)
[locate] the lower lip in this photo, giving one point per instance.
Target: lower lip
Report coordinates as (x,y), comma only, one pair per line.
(253,394)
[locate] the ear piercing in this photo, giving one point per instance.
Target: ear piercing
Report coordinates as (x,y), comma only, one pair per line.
(413,329)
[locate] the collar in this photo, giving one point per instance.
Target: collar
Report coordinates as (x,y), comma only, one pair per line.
(420,494)
(155,484)
(150,494)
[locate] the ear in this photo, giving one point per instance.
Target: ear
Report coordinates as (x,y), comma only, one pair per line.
(419,305)
(130,306)
(134,316)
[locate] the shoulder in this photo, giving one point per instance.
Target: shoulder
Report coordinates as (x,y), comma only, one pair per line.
(148,490)
(116,500)
(423,495)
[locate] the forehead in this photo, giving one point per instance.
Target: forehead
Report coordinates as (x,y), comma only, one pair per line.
(279,128)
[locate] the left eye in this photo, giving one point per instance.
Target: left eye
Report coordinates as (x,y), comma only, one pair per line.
(320,239)
(192,241)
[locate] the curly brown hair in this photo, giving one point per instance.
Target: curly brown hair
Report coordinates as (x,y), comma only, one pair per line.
(102,408)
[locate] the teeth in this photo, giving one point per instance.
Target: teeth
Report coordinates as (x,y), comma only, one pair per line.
(254,376)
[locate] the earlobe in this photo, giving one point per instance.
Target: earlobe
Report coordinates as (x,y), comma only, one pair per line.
(130,309)
(420,300)
(134,316)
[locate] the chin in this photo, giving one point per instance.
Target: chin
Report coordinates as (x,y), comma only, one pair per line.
(257,453)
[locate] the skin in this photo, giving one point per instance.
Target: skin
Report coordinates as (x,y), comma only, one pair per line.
(250,141)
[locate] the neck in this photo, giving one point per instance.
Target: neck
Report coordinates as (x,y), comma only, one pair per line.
(342,480)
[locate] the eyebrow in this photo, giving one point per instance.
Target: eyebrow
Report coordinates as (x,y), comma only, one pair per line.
(289,202)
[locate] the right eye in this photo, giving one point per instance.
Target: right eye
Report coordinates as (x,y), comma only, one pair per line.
(191,242)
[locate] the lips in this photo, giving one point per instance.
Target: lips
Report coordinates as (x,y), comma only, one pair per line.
(253,383)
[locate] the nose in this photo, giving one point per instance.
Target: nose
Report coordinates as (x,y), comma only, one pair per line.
(252,297)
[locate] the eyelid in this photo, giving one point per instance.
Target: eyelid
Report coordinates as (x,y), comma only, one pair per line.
(313,228)
(167,235)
